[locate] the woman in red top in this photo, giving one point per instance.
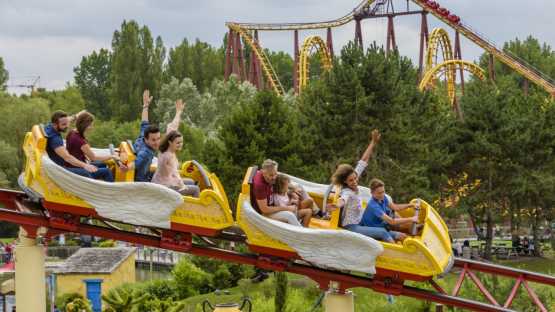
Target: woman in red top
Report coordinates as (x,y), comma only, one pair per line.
(78,146)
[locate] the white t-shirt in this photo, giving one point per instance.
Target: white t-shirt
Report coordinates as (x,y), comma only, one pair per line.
(352,209)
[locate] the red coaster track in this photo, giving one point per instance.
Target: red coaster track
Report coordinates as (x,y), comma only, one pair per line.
(34,218)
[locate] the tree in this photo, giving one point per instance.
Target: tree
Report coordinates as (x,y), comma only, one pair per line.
(283,65)
(531,51)
(281,291)
(17,116)
(266,127)
(174,90)
(368,90)
(189,279)
(4,75)
(92,78)
(68,99)
(136,65)
(200,62)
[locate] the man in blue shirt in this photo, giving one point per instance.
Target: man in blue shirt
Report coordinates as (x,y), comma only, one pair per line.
(380,215)
(148,142)
(56,149)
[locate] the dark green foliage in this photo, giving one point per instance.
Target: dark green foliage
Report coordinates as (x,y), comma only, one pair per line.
(4,75)
(365,91)
(64,299)
(190,280)
(225,274)
(200,62)
(265,127)
(136,65)
(92,77)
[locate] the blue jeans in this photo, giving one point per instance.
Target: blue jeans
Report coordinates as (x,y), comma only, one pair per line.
(378,233)
(103,172)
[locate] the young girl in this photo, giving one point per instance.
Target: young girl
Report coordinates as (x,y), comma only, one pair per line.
(167,172)
(284,196)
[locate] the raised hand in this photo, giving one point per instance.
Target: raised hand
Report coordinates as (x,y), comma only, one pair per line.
(146,98)
(376,136)
(179,105)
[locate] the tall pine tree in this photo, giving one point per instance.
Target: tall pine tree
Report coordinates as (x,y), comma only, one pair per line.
(136,65)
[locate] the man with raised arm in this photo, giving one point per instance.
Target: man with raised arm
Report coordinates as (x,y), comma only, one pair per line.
(148,141)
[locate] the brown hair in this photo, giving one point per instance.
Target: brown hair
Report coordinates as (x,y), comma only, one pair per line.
(341,174)
(168,138)
(57,115)
(376,183)
(83,121)
(280,181)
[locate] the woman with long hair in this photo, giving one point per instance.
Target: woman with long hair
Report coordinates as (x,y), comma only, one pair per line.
(346,178)
(167,171)
(78,146)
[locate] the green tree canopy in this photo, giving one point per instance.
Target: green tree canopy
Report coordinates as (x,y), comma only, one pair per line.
(136,65)
(92,78)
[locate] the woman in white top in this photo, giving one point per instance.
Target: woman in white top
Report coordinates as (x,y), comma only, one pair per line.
(346,178)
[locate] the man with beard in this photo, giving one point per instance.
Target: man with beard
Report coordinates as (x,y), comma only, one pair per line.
(57,151)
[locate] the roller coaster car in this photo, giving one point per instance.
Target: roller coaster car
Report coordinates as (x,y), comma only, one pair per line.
(65,194)
(454,19)
(443,11)
(433,5)
(419,257)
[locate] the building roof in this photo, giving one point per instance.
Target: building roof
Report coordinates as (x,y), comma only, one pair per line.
(95,260)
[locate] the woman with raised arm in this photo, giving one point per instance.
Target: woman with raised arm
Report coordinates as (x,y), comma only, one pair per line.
(346,178)
(167,171)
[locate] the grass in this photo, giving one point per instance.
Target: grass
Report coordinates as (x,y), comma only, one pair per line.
(7,240)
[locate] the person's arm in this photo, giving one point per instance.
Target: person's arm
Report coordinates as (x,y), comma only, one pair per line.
(146,103)
(399,207)
(370,149)
(263,206)
(86,148)
(389,220)
(174,124)
(67,157)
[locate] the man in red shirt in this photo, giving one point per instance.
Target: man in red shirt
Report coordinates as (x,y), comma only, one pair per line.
(262,184)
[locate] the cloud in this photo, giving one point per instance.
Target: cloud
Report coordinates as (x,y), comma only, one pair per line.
(48,38)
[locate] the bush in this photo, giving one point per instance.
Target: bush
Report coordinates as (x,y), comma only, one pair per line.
(189,279)
(62,300)
(161,289)
(79,305)
(107,244)
(224,274)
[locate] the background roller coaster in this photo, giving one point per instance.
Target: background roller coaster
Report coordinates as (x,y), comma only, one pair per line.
(260,66)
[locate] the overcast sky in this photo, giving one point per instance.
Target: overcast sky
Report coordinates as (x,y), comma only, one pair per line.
(47,38)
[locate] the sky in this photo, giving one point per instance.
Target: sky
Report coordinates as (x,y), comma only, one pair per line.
(48,38)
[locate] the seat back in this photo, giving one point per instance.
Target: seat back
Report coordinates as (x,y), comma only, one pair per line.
(127,156)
